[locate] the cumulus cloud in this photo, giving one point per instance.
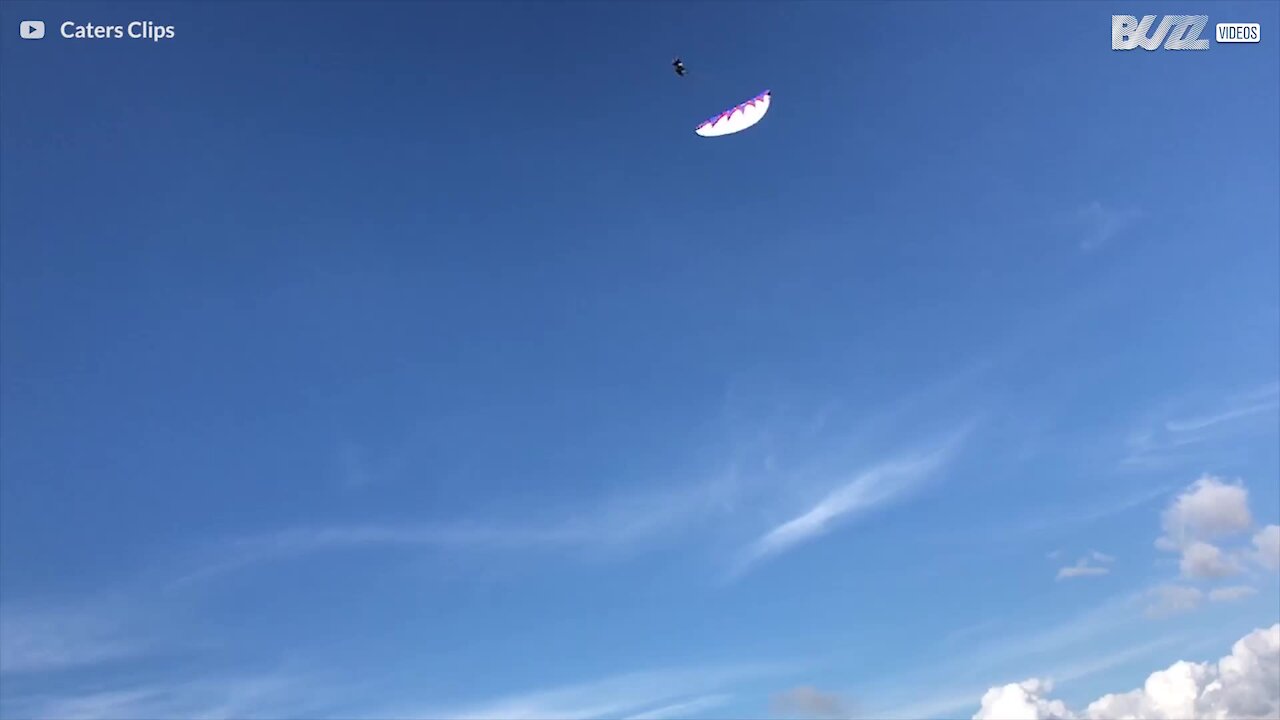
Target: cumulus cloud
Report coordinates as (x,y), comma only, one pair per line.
(1210,508)
(1227,594)
(1081,569)
(1267,547)
(1244,685)
(1084,567)
(1202,560)
(1022,701)
(1168,600)
(809,702)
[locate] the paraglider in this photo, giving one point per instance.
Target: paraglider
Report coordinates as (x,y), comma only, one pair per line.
(737,118)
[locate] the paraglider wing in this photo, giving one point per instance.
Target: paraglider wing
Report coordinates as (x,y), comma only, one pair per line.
(736,118)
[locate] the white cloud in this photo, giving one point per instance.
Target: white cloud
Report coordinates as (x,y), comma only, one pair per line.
(48,639)
(1076,571)
(1207,421)
(1021,701)
(262,696)
(1020,649)
(1209,508)
(684,709)
(654,694)
(1265,399)
(354,468)
(955,702)
(1102,223)
(1267,547)
(1065,652)
(1097,665)
(867,491)
(1204,433)
(1244,685)
(1228,594)
(810,702)
(1081,569)
(617,523)
(1206,510)
(1266,390)
(1084,568)
(1205,561)
(1169,600)
(873,488)
(1089,514)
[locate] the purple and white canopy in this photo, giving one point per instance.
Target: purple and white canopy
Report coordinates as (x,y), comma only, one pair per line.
(736,118)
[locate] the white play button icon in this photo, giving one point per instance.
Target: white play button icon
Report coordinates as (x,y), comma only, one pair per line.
(32,29)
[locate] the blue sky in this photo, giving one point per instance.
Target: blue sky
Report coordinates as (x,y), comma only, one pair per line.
(417,359)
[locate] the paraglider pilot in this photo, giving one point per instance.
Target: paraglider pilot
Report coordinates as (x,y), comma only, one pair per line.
(679,66)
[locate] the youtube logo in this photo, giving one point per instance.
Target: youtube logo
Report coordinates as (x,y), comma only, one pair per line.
(32,29)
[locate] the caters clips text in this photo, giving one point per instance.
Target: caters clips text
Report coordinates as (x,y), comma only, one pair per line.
(137,30)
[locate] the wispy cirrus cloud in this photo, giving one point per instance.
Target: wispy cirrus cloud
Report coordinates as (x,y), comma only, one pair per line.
(1172,436)
(353,468)
(674,692)
(1077,630)
(612,525)
(624,521)
(255,696)
(1169,600)
(1232,593)
(1192,424)
(47,639)
(1260,400)
(1086,513)
(684,709)
(1100,224)
(873,488)
(97,659)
